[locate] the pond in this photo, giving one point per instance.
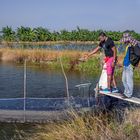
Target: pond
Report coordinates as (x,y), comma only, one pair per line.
(80,47)
(45,86)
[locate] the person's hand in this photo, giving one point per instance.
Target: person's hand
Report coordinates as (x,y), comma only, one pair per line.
(84,58)
(113,64)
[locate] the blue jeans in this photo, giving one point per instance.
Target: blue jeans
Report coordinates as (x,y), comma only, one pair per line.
(127,79)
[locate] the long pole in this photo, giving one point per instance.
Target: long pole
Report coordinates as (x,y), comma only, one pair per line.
(66,79)
(24,89)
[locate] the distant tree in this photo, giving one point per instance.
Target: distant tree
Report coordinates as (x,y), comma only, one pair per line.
(26,34)
(42,34)
(8,34)
(55,36)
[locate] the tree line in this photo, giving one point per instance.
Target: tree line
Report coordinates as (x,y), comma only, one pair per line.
(43,34)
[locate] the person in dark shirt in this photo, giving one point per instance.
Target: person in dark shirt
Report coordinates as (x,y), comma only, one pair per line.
(110,59)
(107,46)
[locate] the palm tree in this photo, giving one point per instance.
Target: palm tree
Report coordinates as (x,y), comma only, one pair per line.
(42,34)
(8,34)
(55,36)
(26,34)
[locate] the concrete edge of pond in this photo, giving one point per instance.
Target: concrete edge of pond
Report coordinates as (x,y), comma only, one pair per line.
(21,116)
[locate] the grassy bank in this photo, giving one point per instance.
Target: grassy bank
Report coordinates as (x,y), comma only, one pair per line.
(51,59)
(86,126)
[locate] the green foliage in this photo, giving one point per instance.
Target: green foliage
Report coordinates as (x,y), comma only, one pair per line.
(43,34)
(8,34)
(25,34)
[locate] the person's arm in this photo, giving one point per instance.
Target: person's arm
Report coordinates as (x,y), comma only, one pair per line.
(92,52)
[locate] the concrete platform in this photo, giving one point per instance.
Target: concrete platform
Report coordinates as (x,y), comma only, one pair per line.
(119,96)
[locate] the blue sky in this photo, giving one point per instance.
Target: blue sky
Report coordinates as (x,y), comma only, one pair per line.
(68,14)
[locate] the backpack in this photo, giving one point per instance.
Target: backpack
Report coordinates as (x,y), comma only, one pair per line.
(135,55)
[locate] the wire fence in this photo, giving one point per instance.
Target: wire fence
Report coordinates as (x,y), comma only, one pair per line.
(26,103)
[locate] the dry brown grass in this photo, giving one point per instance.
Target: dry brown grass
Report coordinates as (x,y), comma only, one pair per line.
(35,55)
(9,54)
(83,126)
(91,127)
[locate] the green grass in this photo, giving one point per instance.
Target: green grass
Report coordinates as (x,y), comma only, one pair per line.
(91,67)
